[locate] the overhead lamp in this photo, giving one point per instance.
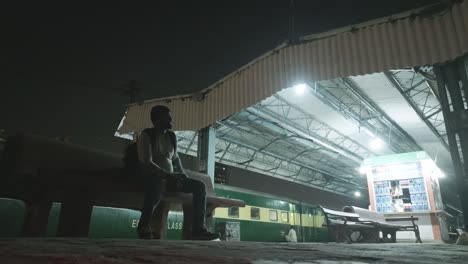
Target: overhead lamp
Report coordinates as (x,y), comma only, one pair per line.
(357,194)
(376,144)
(300,88)
(439,173)
(362,170)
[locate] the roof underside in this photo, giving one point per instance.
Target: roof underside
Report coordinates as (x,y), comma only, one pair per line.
(319,138)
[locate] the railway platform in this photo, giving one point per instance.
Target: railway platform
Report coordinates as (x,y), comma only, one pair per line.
(132,251)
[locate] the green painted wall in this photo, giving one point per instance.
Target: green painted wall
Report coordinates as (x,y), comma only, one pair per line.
(106,222)
(11,217)
(175,221)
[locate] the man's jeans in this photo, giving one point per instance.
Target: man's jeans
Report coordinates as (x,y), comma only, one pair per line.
(153,186)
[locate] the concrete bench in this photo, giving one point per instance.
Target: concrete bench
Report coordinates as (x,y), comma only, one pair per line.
(40,171)
(355,224)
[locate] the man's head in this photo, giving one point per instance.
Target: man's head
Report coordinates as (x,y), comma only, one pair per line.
(291,226)
(161,117)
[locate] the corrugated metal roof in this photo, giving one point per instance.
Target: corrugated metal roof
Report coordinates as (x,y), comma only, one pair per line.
(406,42)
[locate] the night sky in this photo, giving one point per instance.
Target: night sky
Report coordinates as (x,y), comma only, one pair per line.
(65,63)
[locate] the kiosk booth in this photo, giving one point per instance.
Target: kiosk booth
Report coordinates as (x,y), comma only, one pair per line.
(407,184)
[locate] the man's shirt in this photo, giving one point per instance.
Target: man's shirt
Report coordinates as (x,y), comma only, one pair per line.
(163,152)
(291,237)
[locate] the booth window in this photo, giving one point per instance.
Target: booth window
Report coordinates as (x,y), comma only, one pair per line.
(255,213)
(233,212)
(273,215)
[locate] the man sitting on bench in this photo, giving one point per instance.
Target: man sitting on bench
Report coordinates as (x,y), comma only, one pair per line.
(158,160)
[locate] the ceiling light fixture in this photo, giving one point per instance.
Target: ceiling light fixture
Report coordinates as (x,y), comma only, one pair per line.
(300,88)
(376,144)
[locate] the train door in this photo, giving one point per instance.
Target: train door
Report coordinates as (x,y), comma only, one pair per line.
(307,223)
(296,220)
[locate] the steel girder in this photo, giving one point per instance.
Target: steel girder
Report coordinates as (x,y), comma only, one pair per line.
(288,144)
(343,95)
(452,79)
(248,144)
(230,151)
(417,91)
(284,112)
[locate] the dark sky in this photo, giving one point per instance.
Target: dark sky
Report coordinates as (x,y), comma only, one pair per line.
(65,63)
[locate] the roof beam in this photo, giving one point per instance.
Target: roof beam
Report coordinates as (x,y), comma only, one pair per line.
(297,120)
(424,103)
(335,178)
(317,177)
(339,166)
(352,103)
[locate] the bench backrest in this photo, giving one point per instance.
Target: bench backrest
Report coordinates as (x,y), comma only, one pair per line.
(364,214)
(337,214)
(25,154)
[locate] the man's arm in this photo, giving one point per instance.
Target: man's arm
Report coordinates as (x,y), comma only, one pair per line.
(145,154)
(176,162)
(178,165)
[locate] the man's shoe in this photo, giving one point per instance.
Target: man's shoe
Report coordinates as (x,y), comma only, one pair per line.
(144,232)
(204,234)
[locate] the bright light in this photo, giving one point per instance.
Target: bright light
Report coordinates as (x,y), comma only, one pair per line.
(367,131)
(439,173)
(362,170)
(357,194)
(300,88)
(376,144)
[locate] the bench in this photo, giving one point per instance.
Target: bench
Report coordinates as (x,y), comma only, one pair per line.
(355,224)
(343,225)
(41,171)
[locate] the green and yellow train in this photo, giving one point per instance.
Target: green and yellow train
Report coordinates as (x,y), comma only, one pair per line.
(264,218)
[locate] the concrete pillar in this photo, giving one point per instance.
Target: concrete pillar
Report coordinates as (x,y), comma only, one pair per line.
(206,151)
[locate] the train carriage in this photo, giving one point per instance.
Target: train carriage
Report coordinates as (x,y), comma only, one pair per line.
(267,218)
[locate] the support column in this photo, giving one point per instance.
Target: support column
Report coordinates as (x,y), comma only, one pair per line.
(452,85)
(206,151)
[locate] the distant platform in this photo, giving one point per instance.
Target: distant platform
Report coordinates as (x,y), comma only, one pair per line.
(100,251)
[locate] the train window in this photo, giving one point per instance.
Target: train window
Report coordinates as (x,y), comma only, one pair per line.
(285,217)
(255,213)
(233,212)
(273,215)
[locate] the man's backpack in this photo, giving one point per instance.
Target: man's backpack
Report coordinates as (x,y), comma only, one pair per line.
(131,151)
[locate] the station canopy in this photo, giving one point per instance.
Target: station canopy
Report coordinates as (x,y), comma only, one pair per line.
(312,111)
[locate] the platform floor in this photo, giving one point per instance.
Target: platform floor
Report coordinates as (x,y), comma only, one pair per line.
(77,251)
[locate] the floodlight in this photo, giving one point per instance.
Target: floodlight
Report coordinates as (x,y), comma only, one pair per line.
(300,88)
(376,144)
(362,170)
